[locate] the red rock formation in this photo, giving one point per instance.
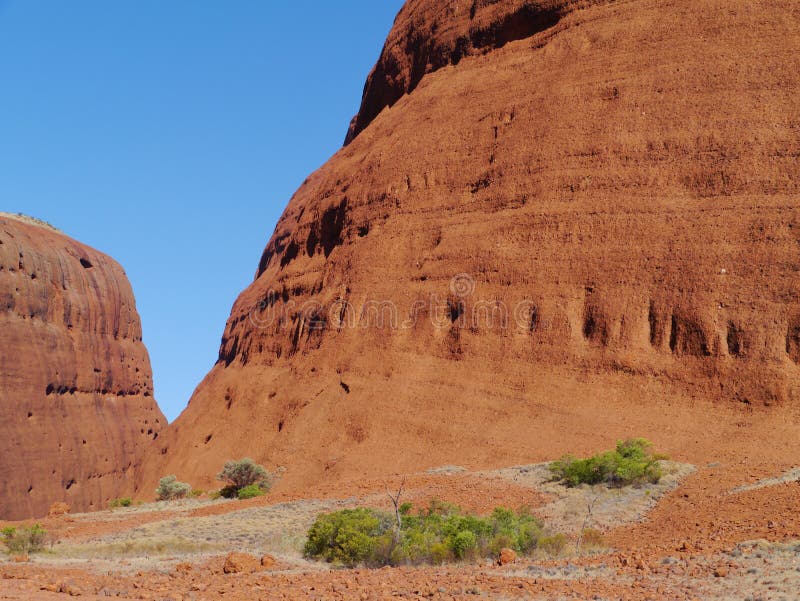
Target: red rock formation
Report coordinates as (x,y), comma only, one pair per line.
(618,183)
(76,391)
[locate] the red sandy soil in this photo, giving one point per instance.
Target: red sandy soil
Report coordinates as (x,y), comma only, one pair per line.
(693,524)
(700,519)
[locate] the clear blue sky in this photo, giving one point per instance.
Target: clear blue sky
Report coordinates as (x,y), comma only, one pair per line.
(170,134)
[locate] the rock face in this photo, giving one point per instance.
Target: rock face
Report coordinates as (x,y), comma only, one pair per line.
(76,402)
(554,223)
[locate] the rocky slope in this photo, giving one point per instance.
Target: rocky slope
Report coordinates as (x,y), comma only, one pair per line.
(554,223)
(76,390)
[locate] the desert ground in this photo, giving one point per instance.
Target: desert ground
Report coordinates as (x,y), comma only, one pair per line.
(712,530)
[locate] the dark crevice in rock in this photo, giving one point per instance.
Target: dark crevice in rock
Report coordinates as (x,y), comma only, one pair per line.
(326,233)
(455,309)
(688,338)
(656,326)
(228,351)
(735,340)
(793,341)
(595,327)
(292,250)
(533,322)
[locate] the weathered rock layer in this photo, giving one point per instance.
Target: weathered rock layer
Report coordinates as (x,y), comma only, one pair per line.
(76,390)
(552,220)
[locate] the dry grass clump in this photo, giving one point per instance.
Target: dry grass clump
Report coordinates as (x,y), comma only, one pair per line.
(138,547)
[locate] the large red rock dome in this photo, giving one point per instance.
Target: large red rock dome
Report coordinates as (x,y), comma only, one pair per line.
(76,390)
(619,177)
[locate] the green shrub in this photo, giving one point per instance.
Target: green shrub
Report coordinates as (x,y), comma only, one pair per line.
(440,553)
(464,544)
(348,537)
(250,492)
(24,540)
(519,531)
(436,535)
(121,502)
(632,462)
(241,474)
(196,492)
(170,489)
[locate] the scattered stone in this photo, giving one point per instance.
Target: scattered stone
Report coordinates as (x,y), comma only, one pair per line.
(241,563)
(507,556)
(70,588)
(268,561)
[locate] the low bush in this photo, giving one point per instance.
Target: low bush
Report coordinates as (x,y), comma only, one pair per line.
(436,535)
(169,489)
(348,537)
(250,492)
(464,544)
(242,474)
(632,462)
(121,502)
(24,540)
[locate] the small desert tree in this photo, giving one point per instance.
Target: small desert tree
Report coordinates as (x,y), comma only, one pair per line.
(242,474)
(170,489)
(24,540)
(397,508)
(631,463)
